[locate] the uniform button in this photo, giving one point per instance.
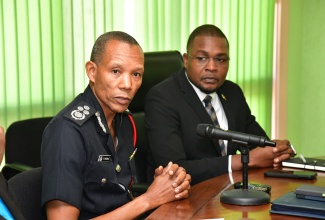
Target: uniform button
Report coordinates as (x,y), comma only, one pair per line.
(118,168)
(104,181)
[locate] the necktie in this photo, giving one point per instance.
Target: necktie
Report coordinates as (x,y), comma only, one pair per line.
(213,115)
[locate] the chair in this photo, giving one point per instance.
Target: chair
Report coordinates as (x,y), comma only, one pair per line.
(26,187)
(23,145)
(157,67)
(140,186)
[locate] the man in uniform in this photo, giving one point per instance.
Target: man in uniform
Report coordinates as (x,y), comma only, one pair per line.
(87,148)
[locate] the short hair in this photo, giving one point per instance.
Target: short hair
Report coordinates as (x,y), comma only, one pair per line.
(208,30)
(100,44)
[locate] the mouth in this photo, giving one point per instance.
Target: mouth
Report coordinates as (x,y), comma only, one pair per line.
(209,80)
(123,100)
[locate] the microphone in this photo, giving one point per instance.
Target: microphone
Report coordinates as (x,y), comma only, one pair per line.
(211,131)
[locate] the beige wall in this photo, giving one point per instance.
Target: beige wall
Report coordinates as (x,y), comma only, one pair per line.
(304,112)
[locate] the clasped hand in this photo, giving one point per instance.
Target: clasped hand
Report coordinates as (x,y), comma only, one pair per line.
(170,183)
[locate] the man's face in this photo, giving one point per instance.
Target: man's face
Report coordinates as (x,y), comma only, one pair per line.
(207,62)
(118,77)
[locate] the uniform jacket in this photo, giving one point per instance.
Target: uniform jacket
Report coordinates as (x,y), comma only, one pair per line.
(173,111)
(79,163)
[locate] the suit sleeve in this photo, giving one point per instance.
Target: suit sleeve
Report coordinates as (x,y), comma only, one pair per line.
(171,129)
(239,115)
(8,198)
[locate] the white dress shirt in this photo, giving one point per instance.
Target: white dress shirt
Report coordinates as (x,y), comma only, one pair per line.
(221,116)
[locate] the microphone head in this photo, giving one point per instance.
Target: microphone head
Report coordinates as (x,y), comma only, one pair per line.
(201,129)
(269,143)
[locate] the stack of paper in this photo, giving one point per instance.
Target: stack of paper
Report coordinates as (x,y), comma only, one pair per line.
(309,163)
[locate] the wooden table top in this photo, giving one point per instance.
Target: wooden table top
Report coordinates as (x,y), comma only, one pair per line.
(204,198)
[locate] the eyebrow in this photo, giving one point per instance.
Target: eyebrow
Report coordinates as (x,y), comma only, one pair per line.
(206,53)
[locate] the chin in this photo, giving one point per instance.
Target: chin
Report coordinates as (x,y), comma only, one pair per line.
(121,110)
(208,90)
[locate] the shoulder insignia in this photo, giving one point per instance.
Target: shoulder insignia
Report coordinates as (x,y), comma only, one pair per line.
(80,113)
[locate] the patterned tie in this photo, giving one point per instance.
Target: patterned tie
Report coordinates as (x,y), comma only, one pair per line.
(213,115)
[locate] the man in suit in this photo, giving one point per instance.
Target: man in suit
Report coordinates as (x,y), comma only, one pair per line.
(8,208)
(176,106)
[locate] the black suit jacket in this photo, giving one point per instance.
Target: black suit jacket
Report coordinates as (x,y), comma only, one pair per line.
(8,199)
(173,110)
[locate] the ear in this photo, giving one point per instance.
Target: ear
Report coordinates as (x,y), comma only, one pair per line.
(91,69)
(185,59)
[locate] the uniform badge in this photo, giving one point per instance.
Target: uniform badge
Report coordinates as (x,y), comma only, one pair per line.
(100,122)
(104,158)
(80,113)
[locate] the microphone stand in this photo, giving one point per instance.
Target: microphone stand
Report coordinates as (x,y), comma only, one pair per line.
(244,196)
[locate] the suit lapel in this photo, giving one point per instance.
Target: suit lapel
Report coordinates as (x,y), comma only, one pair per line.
(229,114)
(227,109)
(193,100)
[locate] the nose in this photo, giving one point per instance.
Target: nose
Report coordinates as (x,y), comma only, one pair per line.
(211,65)
(126,81)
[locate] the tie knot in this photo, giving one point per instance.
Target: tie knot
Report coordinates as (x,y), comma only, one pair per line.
(207,100)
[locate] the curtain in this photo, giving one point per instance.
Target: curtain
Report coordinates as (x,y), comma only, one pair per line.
(44,45)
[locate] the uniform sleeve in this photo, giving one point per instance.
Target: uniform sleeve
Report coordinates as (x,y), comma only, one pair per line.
(63,160)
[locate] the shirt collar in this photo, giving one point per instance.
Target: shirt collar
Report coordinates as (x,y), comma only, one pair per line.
(201,94)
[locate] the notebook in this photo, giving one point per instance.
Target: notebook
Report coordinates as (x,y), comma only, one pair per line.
(311,163)
(289,204)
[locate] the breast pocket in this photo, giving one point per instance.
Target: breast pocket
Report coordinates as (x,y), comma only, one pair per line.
(101,189)
(101,173)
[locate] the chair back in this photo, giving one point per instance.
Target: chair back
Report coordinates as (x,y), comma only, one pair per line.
(23,145)
(26,188)
(157,67)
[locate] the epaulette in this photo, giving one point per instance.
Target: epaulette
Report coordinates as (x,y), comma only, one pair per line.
(80,113)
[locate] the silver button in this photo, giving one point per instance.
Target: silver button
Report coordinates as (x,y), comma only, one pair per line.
(118,168)
(104,181)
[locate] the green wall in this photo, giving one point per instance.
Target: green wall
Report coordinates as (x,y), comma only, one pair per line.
(44,45)
(306,77)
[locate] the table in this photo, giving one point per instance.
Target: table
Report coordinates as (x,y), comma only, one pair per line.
(204,198)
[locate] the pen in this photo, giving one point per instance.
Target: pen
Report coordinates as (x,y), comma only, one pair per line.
(132,155)
(294,150)
(302,158)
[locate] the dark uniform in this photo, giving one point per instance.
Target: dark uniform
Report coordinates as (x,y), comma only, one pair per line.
(80,165)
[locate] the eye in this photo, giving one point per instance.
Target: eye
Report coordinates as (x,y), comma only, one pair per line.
(221,60)
(137,74)
(115,72)
(201,58)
